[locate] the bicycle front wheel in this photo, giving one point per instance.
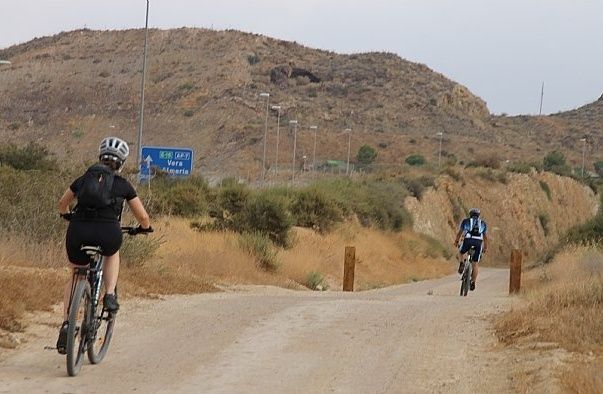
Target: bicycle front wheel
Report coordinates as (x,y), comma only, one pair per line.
(77,330)
(103,331)
(466,278)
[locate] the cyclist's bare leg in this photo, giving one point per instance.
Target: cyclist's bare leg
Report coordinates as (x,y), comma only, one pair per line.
(67,291)
(111,272)
(474,272)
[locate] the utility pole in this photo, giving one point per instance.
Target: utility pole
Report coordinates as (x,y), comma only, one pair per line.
(144,69)
(541,98)
(267,95)
(347,167)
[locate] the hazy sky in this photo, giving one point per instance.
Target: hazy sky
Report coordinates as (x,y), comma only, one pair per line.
(502,50)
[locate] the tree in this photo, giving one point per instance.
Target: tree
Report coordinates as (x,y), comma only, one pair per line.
(366,155)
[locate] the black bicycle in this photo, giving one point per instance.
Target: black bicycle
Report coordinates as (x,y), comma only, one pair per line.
(90,327)
(467,272)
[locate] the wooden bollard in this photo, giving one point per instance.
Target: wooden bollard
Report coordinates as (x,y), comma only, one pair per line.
(349,265)
(515,271)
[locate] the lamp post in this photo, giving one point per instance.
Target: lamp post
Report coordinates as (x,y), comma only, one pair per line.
(583,140)
(441,135)
(278,125)
(267,95)
(347,168)
(315,128)
(294,123)
(144,70)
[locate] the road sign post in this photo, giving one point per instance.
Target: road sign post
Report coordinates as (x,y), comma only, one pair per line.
(515,271)
(348,268)
(173,161)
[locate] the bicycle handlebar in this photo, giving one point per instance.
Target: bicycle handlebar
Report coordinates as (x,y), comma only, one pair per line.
(136,230)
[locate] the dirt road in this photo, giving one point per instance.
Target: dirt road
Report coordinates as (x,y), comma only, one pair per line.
(413,338)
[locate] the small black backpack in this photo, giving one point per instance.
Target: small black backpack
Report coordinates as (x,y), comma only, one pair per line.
(96,190)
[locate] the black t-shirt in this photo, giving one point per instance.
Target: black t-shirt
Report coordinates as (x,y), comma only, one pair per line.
(122,191)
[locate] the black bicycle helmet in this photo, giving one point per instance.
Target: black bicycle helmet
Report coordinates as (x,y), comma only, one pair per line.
(474,212)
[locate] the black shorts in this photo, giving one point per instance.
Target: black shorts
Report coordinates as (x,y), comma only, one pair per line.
(107,235)
(472,242)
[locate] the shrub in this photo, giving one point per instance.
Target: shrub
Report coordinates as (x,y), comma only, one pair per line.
(553,159)
(135,251)
(520,167)
(186,197)
(253,59)
(366,155)
(261,248)
(30,157)
(416,186)
(267,214)
(313,209)
(189,113)
(492,162)
(316,281)
(415,160)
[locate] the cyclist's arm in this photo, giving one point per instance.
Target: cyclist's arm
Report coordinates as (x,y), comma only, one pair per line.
(458,237)
(485,242)
(65,200)
(139,212)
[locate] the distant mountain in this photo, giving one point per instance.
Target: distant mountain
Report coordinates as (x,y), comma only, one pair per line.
(69,90)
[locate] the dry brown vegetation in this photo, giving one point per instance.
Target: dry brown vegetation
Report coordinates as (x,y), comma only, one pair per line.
(69,90)
(188,261)
(564,310)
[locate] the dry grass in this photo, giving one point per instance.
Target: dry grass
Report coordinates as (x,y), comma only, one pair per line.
(564,306)
(189,261)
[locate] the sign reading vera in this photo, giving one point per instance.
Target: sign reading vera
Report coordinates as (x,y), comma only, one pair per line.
(172,161)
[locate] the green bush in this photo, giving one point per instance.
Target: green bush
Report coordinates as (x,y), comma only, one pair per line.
(316,281)
(30,157)
(553,159)
(521,167)
(492,162)
(415,160)
(311,208)
(267,214)
(598,166)
(187,197)
(261,248)
(366,155)
(29,202)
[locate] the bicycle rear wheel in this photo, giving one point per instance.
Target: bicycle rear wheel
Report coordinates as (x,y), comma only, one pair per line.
(466,278)
(103,332)
(77,330)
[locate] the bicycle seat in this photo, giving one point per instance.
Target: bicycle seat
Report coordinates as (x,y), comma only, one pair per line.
(91,250)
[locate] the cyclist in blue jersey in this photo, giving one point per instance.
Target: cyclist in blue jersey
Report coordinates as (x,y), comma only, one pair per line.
(473,230)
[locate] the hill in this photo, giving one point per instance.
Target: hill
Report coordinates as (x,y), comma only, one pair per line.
(69,90)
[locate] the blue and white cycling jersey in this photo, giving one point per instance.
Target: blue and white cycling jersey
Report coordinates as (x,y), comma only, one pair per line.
(467,227)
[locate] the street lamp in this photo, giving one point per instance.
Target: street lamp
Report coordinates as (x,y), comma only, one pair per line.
(278,125)
(267,95)
(144,70)
(294,123)
(347,168)
(583,154)
(315,128)
(440,134)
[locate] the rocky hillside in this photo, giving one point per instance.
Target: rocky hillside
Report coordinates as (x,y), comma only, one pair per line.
(529,212)
(69,90)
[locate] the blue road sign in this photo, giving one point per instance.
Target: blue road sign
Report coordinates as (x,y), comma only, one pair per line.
(173,161)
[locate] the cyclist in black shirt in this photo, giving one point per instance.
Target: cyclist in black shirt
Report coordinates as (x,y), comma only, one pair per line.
(100,226)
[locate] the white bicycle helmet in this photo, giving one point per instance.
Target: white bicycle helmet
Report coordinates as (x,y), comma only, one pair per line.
(116,147)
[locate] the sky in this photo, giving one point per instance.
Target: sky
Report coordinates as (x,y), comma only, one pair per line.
(502,50)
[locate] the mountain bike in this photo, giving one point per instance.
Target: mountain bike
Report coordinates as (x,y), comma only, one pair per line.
(467,272)
(90,327)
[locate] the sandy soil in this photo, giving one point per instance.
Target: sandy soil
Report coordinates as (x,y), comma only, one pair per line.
(412,338)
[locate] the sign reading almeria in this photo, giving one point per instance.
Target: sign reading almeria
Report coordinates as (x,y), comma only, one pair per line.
(169,160)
